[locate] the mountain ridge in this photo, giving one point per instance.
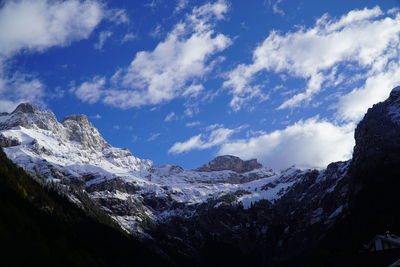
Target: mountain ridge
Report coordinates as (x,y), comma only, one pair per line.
(249,209)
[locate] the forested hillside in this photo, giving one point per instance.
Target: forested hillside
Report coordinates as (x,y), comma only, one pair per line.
(38,226)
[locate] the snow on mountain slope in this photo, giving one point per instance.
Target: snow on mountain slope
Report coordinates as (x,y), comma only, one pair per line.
(131,189)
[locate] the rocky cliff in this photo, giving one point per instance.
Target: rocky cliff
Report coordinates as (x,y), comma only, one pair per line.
(232,163)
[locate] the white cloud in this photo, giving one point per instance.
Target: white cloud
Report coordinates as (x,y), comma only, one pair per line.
(153,137)
(194,142)
(176,67)
(129,37)
(203,141)
(393,10)
(253,133)
(37,25)
(193,90)
(362,40)
(377,87)
(274,4)
(213,126)
(156,32)
(191,108)
(181,5)
(91,91)
(192,124)
(359,50)
(170,117)
(20,88)
(118,16)
(153,4)
(103,36)
(134,138)
(96,117)
(307,144)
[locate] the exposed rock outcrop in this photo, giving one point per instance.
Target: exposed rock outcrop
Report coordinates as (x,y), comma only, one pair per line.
(29,116)
(232,163)
(8,141)
(79,129)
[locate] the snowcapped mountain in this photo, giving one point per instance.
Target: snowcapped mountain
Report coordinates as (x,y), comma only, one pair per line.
(228,200)
(74,153)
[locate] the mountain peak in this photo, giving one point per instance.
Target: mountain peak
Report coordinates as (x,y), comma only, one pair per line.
(80,118)
(79,129)
(26,108)
(28,115)
(395,92)
(229,162)
(396,89)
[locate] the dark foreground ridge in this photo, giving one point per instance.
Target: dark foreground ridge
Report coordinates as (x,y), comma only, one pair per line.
(38,227)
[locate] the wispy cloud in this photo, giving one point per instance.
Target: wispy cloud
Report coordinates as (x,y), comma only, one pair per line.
(129,37)
(134,138)
(274,5)
(103,36)
(182,4)
(96,117)
(153,137)
(212,138)
(192,124)
(170,117)
(157,32)
(117,16)
(213,126)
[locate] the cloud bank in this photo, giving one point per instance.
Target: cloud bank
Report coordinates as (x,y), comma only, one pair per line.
(35,26)
(363,41)
(38,25)
(306,144)
(176,66)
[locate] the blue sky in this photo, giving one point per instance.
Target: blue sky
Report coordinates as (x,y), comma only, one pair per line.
(182,81)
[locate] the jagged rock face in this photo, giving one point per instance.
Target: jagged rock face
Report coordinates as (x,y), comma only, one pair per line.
(80,130)
(377,136)
(374,172)
(74,128)
(167,170)
(232,163)
(113,186)
(26,108)
(8,141)
(29,116)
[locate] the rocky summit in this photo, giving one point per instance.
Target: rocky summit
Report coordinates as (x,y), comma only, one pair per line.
(232,163)
(227,205)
